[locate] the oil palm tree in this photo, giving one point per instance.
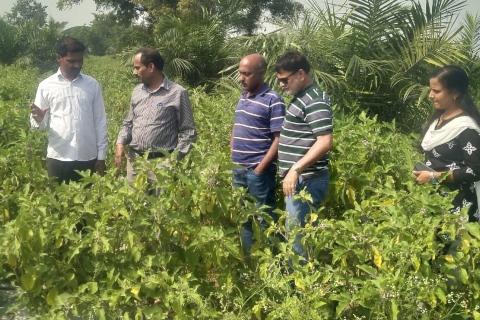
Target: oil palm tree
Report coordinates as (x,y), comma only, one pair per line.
(374,54)
(195,49)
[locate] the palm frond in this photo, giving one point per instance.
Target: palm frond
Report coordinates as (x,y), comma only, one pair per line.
(372,20)
(471,36)
(368,72)
(179,66)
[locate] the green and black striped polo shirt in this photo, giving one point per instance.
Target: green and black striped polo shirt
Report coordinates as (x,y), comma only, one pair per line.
(308,116)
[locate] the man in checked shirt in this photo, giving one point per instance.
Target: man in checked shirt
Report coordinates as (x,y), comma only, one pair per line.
(160,119)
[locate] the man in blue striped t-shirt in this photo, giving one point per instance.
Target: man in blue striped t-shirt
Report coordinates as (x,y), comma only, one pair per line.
(305,141)
(258,121)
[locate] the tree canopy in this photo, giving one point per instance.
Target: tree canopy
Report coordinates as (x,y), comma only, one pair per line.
(24,11)
(242,16)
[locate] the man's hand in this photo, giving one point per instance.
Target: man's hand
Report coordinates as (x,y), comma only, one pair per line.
(423,177)
(119,152)
(100,167)
(290,182)
(258,171)
(37,113)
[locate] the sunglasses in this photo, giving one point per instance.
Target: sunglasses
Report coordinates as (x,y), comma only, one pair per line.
(284,80)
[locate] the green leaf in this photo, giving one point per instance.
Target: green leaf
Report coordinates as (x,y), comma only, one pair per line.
(463,276)
(91,286)
(476,315)
(441,295)
(28,281)
(101,314)
(342,304)
(52,297)
(415,262)
(473,229)
(368,269)
(394,309)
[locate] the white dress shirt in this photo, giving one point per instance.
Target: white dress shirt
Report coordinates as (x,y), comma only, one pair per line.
(76,120)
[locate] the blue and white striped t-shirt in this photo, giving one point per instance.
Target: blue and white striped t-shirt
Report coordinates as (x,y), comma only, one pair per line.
(257,118)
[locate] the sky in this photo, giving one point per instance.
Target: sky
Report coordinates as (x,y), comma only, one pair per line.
(78,15)
(83,14)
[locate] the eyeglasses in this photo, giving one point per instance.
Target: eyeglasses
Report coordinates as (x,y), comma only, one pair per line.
(284,80)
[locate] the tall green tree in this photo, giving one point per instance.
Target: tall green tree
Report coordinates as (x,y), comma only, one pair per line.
(108,35)
(8,43)
(373,54)
(241,15)
(195,51)
(27,34)
(27,11)
(38,44)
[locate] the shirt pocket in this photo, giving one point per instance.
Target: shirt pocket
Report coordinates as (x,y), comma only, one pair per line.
(82,105)
(163,114)
(61,102)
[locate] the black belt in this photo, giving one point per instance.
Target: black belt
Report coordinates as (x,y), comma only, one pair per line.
(152,154)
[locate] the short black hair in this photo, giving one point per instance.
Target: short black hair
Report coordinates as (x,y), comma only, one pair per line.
(69,44)
(151,55)
(292,61)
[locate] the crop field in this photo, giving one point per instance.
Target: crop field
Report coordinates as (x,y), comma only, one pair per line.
(381,247)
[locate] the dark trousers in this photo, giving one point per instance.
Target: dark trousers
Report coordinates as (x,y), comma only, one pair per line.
(65,171)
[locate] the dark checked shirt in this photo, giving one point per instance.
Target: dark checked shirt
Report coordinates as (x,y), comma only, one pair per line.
(159,120)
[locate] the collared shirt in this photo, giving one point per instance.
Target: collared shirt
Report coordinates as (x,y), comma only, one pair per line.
(308,116)
(162,119)
(257,117)
(76,120)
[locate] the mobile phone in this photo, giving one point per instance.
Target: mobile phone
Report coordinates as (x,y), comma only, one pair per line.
(420,166)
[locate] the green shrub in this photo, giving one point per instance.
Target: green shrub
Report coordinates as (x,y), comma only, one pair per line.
(382,247)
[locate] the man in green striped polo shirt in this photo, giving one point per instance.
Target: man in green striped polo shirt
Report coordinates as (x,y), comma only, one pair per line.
(305,141)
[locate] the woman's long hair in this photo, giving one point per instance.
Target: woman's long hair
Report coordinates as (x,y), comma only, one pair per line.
(455,79)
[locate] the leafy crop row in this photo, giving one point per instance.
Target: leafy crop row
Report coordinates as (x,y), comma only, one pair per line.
(382,247)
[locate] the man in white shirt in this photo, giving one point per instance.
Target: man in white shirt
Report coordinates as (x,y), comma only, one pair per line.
(69,104)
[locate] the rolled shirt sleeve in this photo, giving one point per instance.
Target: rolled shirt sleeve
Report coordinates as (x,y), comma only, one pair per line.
(186,124)
(42,103)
